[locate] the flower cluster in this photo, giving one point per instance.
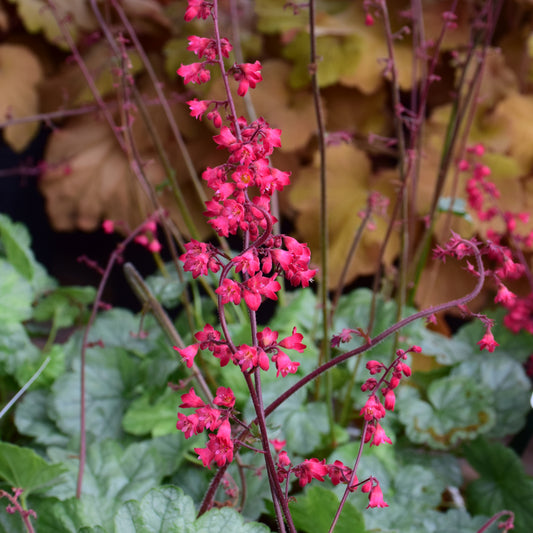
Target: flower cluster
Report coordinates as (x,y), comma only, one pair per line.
(374,410)
(480,191)
(337,472)
(219,448)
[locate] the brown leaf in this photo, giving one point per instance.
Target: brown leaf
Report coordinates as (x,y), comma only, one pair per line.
(88,178)
(348,182)
(38,16)
(20,72)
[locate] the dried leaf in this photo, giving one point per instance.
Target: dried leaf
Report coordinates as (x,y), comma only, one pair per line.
(349,182)
(88,178)
(37,16)
(442,282)
(20,72)
(69,87)
(146,9)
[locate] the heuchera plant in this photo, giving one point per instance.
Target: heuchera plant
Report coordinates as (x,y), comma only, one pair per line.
(243,188)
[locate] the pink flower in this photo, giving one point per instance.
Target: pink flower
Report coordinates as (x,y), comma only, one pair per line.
(229,291)
(293,342)
(390,400)
(191,399)
(208,338)
(249,75)
(379,436)
(375,498)
(338,473)
(373,409)
(278,444)
(194,73)
(198,107)
(188,353)
(199,259)
(267,337)
(224,397)
(248,262)
(197,9)
(108,226)
(250,357)
(374,367)
(154,246)
(208,417)
(188,425)
(487,342)
(284,364)
(309,469)
(505,296)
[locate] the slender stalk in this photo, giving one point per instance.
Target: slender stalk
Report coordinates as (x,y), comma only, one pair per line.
(386,333)
(26,386)
(113,258)
(146,296)
(325,352)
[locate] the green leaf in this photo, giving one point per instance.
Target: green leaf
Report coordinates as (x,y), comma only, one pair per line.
(51,372)
(55,516)
(274,16)
(32,419)
(515,345)
(303,427)
(168,288)
(17,295)
(16,348)
(314,511)
(503,483)
(224,520)
(458,408)
(64,305)
(168,509)
(158,418)
(24,469)
(112,472)
(163,509)
(510,389)
(16,242)
(111,375)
